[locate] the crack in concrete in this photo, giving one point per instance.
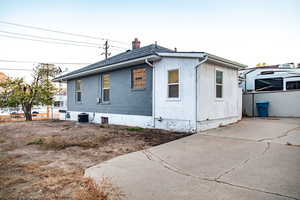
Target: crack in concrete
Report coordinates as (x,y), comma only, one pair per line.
(267,148)
(169,166)
(149,157)
(280,136)
(243,163)
(177,170)
(257,190)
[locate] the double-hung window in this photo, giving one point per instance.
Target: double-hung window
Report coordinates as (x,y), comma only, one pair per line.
(219,84)
(138,80)
(78,91)
(173,83)
(105,88)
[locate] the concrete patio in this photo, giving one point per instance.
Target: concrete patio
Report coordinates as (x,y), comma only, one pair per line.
(247,160)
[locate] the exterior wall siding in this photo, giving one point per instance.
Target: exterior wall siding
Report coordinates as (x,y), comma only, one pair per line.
(176,114)
(123,99)
(213,112)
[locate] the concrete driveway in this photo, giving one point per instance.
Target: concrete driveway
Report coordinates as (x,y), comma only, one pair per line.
(247,160)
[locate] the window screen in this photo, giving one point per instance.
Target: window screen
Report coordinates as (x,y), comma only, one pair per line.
(219,84)
(78,90)
(173,83)
(105,87)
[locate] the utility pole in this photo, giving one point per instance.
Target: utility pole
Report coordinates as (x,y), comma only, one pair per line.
(106,47)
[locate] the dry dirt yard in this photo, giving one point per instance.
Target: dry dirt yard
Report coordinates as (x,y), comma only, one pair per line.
(46,159)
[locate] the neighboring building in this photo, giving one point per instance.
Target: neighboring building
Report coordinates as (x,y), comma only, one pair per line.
(156,87)
(270,78)
(3,76)
(60,99)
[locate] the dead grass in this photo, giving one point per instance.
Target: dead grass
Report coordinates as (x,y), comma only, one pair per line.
(59,143)
(45,160)
(104,190)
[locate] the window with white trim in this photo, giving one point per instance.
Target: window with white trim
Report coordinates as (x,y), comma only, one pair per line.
(138,78)
(105,87)
(173,83)
(219,84)
(78,91)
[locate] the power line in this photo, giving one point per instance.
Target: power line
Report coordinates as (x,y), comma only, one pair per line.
(58,39)
(61,32)
(49,38)
(52,42)
(9,36)
(118,47)
(20,61)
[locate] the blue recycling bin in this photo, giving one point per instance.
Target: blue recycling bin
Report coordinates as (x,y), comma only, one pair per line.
(262,108)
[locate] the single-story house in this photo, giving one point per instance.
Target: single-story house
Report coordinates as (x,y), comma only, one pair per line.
(156,87)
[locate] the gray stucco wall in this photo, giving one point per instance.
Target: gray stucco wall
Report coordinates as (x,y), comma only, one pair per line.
(123,99)
(281,103)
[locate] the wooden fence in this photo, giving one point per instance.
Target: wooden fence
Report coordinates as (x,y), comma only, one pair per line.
(21,117)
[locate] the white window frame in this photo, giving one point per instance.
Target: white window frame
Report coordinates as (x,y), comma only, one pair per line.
(76,91)
(220,84)
(102,90)
(168,84)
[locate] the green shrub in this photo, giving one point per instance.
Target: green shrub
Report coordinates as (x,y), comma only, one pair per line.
(36,141)
(135,129)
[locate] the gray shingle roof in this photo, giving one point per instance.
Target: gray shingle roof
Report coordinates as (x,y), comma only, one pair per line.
(151,49)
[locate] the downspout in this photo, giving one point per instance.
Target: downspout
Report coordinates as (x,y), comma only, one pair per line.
(153,90)
(196,81)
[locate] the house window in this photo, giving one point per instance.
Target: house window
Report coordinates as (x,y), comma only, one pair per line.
(293,85)
(58,104)
(105,87)
(173,83)
(104,120)
(139,78)
(219,84)
(78,90)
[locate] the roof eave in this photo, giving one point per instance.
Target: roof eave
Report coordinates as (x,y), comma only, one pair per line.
(211,58)
(108,67)
(226,62)
(183,54)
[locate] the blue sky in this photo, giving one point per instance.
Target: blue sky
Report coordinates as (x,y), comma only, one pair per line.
(245,31)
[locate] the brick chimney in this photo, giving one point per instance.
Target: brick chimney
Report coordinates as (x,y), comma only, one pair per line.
(136,44)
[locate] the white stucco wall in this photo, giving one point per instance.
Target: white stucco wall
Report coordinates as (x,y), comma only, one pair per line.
(281,103)
(175,114)
(118,119)
(213,112)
